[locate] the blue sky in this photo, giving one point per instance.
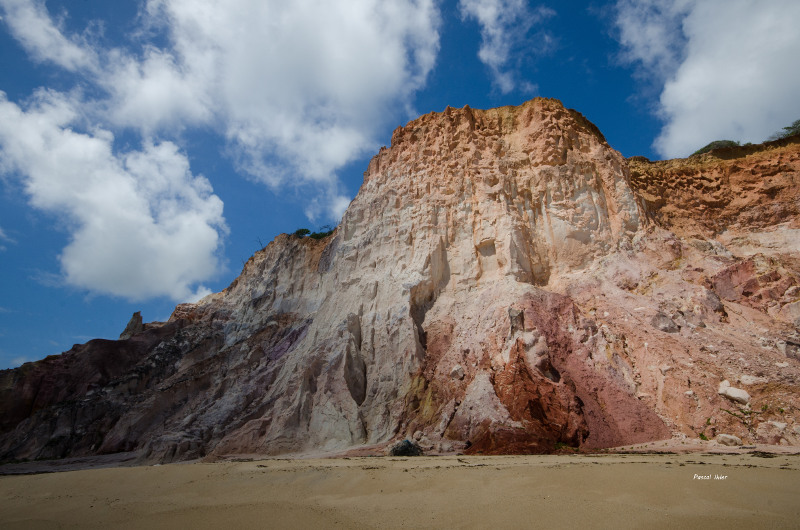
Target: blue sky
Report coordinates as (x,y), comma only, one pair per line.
(148,148)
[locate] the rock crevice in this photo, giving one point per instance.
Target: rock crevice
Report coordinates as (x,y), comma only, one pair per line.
(504,281)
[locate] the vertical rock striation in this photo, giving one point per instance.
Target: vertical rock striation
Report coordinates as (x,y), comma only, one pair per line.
(492,288)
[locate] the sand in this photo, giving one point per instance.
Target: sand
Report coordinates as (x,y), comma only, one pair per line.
(614,490)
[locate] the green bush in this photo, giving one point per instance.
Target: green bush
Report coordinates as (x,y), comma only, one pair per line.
(786,132)
(791,130)
(716,144)
(559,446)
(324,232)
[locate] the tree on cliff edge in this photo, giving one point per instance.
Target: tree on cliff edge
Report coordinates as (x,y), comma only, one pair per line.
(791,130)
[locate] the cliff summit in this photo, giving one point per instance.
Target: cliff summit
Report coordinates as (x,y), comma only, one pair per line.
(504,282)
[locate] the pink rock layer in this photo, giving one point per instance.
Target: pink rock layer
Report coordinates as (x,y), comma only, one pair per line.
(504,282)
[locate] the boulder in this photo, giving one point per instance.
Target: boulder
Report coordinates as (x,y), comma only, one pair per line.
(405,448)
(134,326)
(662,322)
(728,439)
(734,394)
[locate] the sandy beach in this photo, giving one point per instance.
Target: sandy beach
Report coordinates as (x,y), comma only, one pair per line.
(614,490)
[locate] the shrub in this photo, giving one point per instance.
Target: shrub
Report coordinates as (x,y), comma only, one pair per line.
(716,144)
(791,130)
(324,232)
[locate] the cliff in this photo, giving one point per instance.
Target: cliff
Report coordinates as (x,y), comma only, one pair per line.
(504,281)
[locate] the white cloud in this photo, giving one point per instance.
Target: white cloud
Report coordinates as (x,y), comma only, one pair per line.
(141,224)
(333,208)
(726,65)
(298,90)
(6,239)
(31,24)
(301,88)
(340,204)
(504,27)
(152,93)
(650,33)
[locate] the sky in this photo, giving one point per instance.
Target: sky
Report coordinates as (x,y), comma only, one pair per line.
(148,148)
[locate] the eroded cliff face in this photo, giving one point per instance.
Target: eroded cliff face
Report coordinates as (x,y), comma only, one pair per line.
(504,281)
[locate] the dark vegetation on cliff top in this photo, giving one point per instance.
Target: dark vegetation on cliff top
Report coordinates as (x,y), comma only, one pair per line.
(786,132)
(324,232)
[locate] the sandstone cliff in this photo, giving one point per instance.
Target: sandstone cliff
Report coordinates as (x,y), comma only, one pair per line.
(504,281)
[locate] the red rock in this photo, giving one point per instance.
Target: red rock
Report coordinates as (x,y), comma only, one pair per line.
(492,288)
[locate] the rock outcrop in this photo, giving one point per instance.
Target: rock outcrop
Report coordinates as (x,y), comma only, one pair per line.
(135,325)
(503,282)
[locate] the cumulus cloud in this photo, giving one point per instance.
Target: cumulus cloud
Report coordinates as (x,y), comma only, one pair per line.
(141,224)
(301,87)
(30,23)
(296,89)
(152,93)
(725,66)
(650,33)
(504,28)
